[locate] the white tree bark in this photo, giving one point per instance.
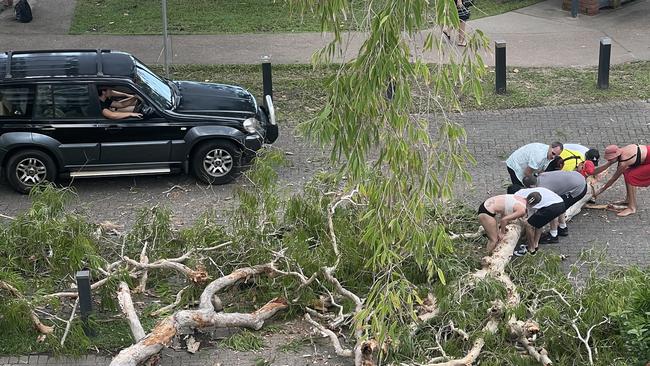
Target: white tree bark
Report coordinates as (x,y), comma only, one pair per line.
(126,304)
(204,318)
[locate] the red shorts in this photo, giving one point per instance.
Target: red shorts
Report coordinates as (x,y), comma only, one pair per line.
(639,176)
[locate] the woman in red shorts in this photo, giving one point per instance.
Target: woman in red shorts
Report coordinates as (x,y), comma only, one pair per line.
(634,164)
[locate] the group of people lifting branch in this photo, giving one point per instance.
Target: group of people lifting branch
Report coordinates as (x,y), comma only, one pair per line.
(548,179)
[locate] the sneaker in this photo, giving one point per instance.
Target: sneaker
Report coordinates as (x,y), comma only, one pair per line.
(563,232)
(521,251)
(548,239)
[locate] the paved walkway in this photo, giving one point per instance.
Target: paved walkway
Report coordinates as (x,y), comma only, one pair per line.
(539,35)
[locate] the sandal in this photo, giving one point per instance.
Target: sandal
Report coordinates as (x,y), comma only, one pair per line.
(446,35)
(464,44)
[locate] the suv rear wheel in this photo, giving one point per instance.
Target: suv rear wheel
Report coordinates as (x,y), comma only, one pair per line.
(28,168)
(216,162)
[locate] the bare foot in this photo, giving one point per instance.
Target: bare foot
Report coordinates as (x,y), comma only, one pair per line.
(627,212)
(620,203)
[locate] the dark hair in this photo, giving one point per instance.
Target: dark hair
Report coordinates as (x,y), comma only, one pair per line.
(530,181)
(556,164)
(101,89)
(557,144)
(534,198)
(593,155)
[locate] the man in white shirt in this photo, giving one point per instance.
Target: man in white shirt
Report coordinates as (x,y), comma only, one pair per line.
(550,206)
(570,186)
(529,159)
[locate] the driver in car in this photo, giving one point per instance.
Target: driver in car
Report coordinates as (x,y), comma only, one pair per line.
(118,109)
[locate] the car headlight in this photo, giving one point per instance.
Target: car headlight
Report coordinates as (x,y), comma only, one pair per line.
(252,125)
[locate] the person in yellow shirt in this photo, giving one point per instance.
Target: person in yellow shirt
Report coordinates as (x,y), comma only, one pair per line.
(571,158)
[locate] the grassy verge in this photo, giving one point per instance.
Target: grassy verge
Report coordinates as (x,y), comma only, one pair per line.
(299,89)
(190,17)
(488,8)
(223,16)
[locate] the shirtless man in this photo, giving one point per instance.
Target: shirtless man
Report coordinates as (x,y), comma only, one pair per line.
(117,109)
(633,165)
(509,207)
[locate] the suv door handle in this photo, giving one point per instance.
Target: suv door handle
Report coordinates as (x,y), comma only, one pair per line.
(47,128)
(113,128)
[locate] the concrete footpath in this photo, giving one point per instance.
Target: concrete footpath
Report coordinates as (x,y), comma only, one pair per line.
(539,35)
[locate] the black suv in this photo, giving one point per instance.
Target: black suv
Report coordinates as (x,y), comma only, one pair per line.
(55,123)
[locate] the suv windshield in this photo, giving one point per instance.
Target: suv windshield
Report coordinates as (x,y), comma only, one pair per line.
(153,86)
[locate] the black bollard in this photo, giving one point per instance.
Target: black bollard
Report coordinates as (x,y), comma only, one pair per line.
(574,8)
(85,299)
(267,79)
(603,62)
(500,66)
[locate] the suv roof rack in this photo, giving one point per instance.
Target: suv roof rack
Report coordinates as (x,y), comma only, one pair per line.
(98,52)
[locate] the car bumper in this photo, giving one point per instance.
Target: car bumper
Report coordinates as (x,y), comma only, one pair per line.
(252,143)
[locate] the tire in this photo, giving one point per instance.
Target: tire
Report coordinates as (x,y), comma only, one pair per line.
(216,162)
(28,168)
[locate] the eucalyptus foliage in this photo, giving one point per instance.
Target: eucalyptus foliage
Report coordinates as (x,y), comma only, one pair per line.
(380,110)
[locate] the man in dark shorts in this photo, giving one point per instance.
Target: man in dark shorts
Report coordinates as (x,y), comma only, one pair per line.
(550,207)
(570,186)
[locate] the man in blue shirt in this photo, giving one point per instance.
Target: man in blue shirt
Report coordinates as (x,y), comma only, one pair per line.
(529,159)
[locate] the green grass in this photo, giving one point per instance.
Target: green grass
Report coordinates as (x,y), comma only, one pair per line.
(295,345)
(535,87)
(488,8)
(190,17)
(299,89)
(244,341)
(223,16)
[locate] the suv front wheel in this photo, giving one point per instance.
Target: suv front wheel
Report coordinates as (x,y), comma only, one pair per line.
(28,168)
(216,162)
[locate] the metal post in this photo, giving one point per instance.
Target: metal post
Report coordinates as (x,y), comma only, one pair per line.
(500,66)
(85,300)
(390,90)
(267,79)
(603,62)
(574,8)
(165,37)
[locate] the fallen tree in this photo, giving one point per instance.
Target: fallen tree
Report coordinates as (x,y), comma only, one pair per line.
(208,316)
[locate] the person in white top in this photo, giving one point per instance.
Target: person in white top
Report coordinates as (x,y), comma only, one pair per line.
(529,159)
(550,206)
(509,208)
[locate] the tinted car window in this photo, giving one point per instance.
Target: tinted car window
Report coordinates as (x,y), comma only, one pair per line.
(63,101)
(153,86)
(15,101)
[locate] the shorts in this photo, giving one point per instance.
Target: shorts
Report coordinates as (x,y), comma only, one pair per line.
(483,210)
(570,201)
(546,214)
(639,176)
(463,13)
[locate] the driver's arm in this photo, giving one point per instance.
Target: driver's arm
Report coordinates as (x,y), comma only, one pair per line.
(119,115)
